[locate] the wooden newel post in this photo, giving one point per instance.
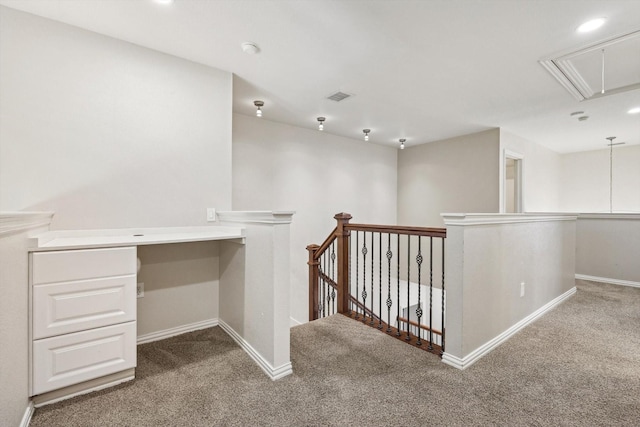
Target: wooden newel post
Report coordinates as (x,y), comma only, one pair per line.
(313,282)
(342,236)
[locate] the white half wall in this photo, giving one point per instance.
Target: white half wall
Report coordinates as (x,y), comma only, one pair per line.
(453,175)
(316,174)
(488,258)
(15,229)
(584,184)
(108,134)
(608,248)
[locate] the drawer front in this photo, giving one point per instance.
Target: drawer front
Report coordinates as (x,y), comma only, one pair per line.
(65,266)
(75,306)
(73,358)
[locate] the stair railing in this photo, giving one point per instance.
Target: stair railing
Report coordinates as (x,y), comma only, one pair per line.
(351,273)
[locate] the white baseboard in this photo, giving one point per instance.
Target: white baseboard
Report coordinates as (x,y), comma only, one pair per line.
(273,373)
(293,322)
(171,332)
(608,280)
(474,356)
(28,413)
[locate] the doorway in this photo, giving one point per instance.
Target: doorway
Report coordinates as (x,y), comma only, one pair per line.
(512,183)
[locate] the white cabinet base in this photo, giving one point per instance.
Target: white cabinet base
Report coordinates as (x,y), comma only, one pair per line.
(73,358)
(83,388)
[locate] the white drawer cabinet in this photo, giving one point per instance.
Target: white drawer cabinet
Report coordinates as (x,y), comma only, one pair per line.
(73,358)
(83,315)
(66,307)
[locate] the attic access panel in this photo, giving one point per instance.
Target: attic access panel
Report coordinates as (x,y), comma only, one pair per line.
(580,71)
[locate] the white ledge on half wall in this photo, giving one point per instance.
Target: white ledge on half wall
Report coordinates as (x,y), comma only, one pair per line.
(11,222)
(257,217)
(502,218)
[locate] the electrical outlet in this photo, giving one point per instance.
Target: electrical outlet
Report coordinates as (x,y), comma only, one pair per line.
(140,290)
(522,289)
(211,214)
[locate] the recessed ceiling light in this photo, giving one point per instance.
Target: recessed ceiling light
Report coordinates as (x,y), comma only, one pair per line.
(635,110)
(164,1)
(592,25)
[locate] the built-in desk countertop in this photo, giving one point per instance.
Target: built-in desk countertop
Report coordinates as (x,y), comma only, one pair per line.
(87,239)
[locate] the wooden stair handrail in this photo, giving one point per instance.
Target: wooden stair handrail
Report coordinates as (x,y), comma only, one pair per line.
(325,245)
(398,229)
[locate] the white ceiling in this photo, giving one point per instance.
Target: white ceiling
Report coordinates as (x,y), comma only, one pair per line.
(421,70)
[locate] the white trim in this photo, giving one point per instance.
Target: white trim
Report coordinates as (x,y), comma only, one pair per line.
(293,322)
(475,355)
(84,391)
(273,373)
(257,217)
(171,332)
(28,413)
(497,218)
(608,280)
(609,216)
(11,222)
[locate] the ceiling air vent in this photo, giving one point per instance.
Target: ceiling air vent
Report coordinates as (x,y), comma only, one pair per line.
(338,96)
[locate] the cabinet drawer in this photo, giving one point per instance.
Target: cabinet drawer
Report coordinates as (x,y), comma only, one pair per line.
(65,266)
(75,306)
(73,358)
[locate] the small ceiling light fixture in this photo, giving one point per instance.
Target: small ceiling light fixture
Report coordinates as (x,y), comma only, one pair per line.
(366,134)
(634,110)
(164,1)
(258,104)
(321,123)
(250,48)
(402,141)
(591,25)
(577,113)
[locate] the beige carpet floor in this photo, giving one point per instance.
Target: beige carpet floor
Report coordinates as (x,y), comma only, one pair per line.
(579,365)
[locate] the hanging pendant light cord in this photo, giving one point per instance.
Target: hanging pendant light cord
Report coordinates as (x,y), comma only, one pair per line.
(611,138)
(603,71)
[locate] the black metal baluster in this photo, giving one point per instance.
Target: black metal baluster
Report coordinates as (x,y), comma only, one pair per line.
(408,337)
(321,299)
(398,294)
(430,292)
(442,324)
(380,280)
(419,309)
(389,302)
(372,251)
(364,276)
(357,316)
(349,286)
(327,272)
(333,277)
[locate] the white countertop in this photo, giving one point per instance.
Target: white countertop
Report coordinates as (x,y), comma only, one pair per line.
(85,239)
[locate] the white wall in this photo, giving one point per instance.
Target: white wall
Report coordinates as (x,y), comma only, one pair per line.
(541,170)
(584,184)
(316,174)
(106,133)
(453,175)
